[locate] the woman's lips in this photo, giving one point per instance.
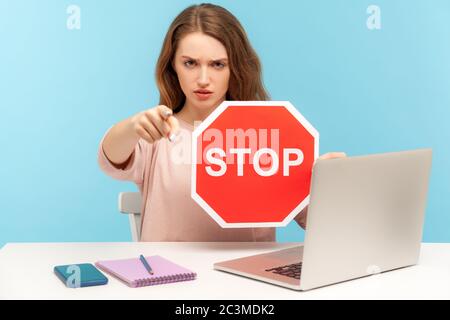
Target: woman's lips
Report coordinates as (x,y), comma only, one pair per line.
(203,95)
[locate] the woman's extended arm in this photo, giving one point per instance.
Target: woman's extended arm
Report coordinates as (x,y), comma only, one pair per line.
(150,125)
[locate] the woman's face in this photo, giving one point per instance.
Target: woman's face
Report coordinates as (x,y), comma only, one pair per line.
(201,63)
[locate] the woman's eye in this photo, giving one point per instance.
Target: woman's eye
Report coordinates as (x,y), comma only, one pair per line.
(189,63)
(218,65)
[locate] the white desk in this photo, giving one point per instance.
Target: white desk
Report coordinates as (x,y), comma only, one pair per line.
(26,272)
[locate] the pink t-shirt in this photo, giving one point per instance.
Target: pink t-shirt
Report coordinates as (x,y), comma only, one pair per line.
(162,172)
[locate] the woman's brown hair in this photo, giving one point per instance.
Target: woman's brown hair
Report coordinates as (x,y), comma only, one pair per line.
(245,69)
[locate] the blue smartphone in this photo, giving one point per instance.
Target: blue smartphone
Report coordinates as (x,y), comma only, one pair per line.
(80,275)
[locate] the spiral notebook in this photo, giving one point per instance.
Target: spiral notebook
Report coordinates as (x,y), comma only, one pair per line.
(134,274)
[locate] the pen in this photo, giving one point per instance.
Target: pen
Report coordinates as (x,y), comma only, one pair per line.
(145,263)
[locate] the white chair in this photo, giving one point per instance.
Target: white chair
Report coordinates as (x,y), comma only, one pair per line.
(130,203)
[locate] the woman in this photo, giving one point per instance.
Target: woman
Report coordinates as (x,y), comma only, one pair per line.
(206,58)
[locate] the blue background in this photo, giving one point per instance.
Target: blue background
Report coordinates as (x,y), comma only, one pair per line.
(366,91)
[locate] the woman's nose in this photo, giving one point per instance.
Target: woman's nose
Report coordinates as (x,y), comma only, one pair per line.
(203,78)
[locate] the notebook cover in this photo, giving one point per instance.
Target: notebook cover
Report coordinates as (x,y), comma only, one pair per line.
(134,274)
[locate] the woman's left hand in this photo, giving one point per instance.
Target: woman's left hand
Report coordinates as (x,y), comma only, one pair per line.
(332,155)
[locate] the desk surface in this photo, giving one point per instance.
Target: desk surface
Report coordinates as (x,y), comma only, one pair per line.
(26,272)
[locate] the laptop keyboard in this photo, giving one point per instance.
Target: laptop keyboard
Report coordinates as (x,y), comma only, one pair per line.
(291,270)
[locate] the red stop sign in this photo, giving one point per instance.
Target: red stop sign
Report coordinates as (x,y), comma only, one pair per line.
(252,163)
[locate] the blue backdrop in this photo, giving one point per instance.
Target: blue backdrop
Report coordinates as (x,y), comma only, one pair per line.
(365,90)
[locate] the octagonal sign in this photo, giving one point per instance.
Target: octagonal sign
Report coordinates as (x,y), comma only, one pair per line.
(252,163)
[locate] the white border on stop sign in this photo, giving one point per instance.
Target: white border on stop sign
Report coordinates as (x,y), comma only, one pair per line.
(208,121)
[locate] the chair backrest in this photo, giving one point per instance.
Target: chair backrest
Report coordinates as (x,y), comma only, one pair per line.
(130,203)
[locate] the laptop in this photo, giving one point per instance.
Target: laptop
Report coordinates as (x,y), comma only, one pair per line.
(365,217)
